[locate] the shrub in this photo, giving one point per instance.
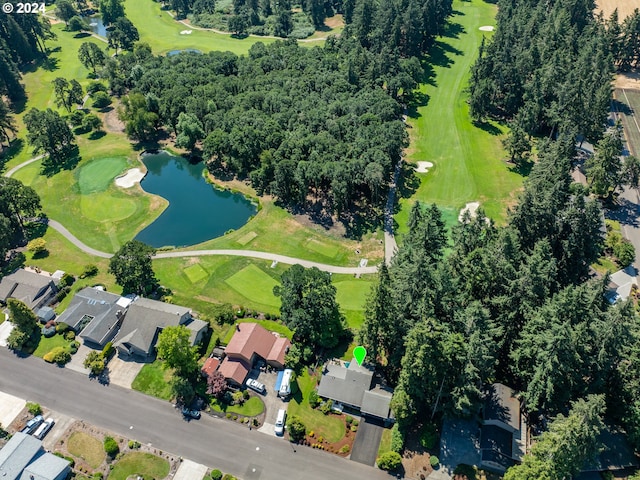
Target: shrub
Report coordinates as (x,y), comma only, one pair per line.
(59,355)
(320,439)
(228,415)
(76,24)
(61,327)
(464,470)
(216,474)
(70,335)
(397,439)
(73,348)
(107,351)
(62,294)
(246,395)
(228,476)
(37,246)
(133,444)
(326,407)
(348,420)
(314,399)
(356,423)
(354,428)
(89,271)
(435,461)
(345,449)
(428,436)
(311,433)
(96,86)
(71,461)
(238,398)
(223,314)
(76,118)
(296,428)
(111,447)
(625,253)
(67,280)
(34,408)
(389,461)
(101,100)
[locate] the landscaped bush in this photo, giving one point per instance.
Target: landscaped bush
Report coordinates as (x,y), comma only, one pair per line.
(70,335)
(397,439)
(389,461)
(61,327)
(59,355)
(37,246)
(228,476)
(296,428)
(216,474)
(326,407)
(62,294)
(354,428)
(71,461)
(246,395)
(464,470)
(107,351)
(67,280)
(89,271)
(111,447)
(345,449)
(314,399)
(34,408)
(435,461)
(134,444)
(73,347)
(98,475)
(238,398)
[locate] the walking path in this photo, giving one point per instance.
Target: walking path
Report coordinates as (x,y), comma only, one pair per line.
(199,253)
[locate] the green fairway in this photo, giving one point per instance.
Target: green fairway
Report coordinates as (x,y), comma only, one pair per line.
(162,33)
(252,283)
(101,207)
(352,294)
(323,248)
(468,160)
(195,273)
(97,175)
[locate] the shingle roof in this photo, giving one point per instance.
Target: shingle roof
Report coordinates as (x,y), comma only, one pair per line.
(502,405)
(26,286)
(236,370)
(616,453)
(211,364)
(250,338)
(46,467)
(376,403)
(19,451)
(346,385)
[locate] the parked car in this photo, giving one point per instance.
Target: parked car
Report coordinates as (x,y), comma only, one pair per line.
(255,385)
(43,429)
(187,412)
(32,424)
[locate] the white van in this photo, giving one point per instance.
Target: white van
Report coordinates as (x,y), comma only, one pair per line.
(280,420)
(285,386)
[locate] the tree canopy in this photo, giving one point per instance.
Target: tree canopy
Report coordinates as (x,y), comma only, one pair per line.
(132,267)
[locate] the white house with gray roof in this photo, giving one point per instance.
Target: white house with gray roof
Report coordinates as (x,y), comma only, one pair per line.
(145,318)
(354,385)
(32,288)
(23,458)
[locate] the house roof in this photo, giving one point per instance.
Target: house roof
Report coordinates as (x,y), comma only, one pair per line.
(26,286)
(616,453)
(98,307)
(346,385)
(143,319)
(621,283)
(46,467)
(376,403)
(502,405)
(19,451)
(497,439)
(211,364)
(236,370)
(45,313)
(250,338)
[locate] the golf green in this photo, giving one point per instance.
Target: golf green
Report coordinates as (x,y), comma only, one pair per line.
(252,283)
(97,175)
(102,207)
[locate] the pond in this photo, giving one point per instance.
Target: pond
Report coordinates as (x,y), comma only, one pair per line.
(96,25)
(196,211)
(171,53)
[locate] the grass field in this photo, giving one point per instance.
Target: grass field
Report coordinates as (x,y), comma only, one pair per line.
(153,380)
(351,296)
(468,160)
(195,273)
(254,284)
(86,447)
(628,114)
(97,175)
(144,464)
(252,407)
(327,426)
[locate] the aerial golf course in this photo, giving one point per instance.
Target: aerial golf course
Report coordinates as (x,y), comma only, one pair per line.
(468,166)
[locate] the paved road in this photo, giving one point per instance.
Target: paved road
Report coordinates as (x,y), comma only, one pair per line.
(199,253)
(214,442)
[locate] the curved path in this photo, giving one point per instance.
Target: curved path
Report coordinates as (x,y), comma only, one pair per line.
(199,253)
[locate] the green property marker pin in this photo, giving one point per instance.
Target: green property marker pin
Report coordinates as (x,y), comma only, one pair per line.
(359,353)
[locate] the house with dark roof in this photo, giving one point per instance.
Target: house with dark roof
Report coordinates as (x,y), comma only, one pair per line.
(616,455)
(504,431)
(249,343)
(32,288)
(23,458)
(95,315)
(355,386)
(145,319)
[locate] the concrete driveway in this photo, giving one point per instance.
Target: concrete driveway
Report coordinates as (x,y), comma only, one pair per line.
(367,442)
(123,371)
(77,360)
(189,470)
(272,402)
(5,330)
(10,408)
(63,422)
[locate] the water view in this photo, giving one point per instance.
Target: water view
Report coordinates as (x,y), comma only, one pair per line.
(196,211)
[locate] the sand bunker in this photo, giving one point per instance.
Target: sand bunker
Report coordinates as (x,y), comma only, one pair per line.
(130,178)
(471,207)
(487,28)
(423,167)
(186,32)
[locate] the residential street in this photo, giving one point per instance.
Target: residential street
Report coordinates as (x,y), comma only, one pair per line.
(214,442)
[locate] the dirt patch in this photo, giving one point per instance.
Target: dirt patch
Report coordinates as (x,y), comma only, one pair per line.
(625,7)
(628,80)
(112,123)
(334,22)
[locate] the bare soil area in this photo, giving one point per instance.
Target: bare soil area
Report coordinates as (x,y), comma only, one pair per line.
(628,80)
(625,7)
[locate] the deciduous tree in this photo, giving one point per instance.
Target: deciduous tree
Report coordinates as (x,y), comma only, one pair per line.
(131,265)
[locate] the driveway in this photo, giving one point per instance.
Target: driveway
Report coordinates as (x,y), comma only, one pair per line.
(77,360)
(10,408)
(123,371)
(5,330)
(367,442)
(189,470)
(63,422)
(272,402)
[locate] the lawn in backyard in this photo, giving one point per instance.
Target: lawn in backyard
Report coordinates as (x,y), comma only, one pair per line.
(252,407)
(468,160)
(88,448)
(352,296)
(327,426)
(153,380)
(144,464)
(47,344)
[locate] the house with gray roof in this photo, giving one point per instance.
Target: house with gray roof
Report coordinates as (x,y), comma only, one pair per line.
(29,287)
(95,315)
(146,318)
(23,458)
(355,386)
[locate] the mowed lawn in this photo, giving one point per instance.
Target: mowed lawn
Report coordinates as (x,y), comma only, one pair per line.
(88,448)
(153,380)
(253,283)
(145,465)
(469,162)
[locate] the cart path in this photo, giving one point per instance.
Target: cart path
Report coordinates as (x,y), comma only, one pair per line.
(199,253)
